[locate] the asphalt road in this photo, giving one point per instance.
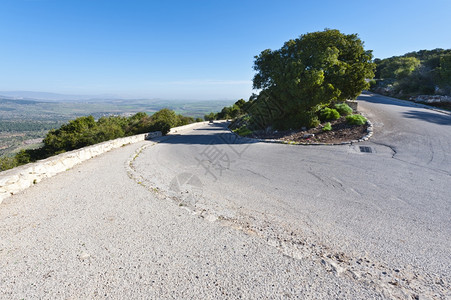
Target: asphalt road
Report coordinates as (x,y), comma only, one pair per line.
(203,214)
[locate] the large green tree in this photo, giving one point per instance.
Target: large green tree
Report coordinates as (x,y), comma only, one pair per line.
(309,72)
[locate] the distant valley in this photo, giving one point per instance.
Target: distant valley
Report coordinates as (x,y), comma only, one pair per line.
(24,119)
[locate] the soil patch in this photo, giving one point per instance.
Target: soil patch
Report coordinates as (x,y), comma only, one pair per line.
(341,132)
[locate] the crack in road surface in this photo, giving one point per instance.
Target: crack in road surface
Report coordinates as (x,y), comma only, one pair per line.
(392,148)
(390,282)
(146,220)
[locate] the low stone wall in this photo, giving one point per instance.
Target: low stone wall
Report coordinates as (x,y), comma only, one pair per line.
(184,127)
(431,99)
(22,177)
(18,179)
(352,104)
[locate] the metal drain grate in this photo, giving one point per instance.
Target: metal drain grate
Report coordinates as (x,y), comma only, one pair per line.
(365,149)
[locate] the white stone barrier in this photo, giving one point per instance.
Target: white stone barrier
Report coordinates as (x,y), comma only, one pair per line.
(152,135)
(18,179)
(184,127)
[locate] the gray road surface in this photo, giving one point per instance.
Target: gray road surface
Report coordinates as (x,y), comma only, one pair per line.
(201,214)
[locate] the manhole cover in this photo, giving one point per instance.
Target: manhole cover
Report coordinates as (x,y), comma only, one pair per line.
(366,149)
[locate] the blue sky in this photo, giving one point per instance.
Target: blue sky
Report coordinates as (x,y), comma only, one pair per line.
(188,49)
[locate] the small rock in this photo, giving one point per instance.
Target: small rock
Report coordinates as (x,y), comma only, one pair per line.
(211,218)
(308,135)
(84,256)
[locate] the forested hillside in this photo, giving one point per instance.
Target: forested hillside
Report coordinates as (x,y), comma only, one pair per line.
(425,72)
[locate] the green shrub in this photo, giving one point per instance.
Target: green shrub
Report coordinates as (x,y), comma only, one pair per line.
(313,122)
(183,120)
(85,131)
(327,127)
(328,114)
(7,162)
(162,126)
(343,109)
(210,117)
(243,131)
(166,115)
(291,121)
(356,120)
(23,157)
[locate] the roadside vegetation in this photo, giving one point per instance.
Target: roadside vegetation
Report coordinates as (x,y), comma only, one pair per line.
(303,85)
(25,122)
(303,88)
(85,131)
(425,72)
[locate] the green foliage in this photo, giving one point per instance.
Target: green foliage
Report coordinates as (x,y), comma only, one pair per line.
(7,162)
(23,157)
(417,83)
(210,117)
(72,135)
(225,113)
(327,127)
(313,122)
(235,111)
(138,123)
(240,103)
(183,120)
(199,119)
(160,125)
(110,128)
(86,131)
(422,72)
(356,120)
(243,131)
(445,71)
(399,68)
(229,112)
(311,71)
(28,125)
(343,109)
(328,114)
(166,115)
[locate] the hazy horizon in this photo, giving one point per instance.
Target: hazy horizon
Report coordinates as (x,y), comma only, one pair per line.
(50,96)
(183,50)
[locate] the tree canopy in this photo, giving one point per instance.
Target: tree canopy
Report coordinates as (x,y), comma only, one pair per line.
(309,72)
(422,72)
(400,68)
(445,71)
(229,112)
(85,131)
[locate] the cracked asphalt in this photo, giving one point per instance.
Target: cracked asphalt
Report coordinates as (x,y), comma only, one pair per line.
(200,214)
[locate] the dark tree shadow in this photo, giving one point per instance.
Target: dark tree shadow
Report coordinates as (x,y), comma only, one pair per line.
(380,99)
(430,117)
(222,137)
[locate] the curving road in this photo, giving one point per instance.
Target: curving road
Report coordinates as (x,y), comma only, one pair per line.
(204,214)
